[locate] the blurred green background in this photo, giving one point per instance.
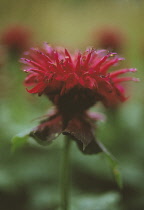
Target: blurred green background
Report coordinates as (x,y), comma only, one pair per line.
(29,177)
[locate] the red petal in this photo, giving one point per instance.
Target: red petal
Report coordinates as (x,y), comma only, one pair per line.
(38,88)
(121,71)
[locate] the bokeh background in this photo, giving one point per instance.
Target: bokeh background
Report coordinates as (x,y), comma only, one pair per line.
(29,175)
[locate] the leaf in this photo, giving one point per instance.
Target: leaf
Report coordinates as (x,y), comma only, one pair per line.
(113,163)
(107,201)
(19,140)
(115,169)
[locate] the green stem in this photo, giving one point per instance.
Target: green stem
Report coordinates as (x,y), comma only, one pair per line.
(65,178)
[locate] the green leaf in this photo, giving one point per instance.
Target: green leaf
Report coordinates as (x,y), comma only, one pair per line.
(107,201)
(113,163)
(19,140)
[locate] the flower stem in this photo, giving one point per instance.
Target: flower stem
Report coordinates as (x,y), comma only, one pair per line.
(65,179)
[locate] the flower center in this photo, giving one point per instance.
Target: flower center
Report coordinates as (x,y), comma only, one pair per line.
(77,100)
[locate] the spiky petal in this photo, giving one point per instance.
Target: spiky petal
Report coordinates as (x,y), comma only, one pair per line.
(55,72)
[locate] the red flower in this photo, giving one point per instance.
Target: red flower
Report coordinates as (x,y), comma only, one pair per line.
(16,38)
(81,78)
(73,83)
(110,38)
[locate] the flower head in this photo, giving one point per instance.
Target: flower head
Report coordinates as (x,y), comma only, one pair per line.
(16,38)
(110,38)
(80,80)
(74,83)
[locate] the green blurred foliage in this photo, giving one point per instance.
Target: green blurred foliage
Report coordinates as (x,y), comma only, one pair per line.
(29,177)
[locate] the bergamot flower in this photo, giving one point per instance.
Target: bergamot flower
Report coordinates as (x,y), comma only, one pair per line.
(74,83)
